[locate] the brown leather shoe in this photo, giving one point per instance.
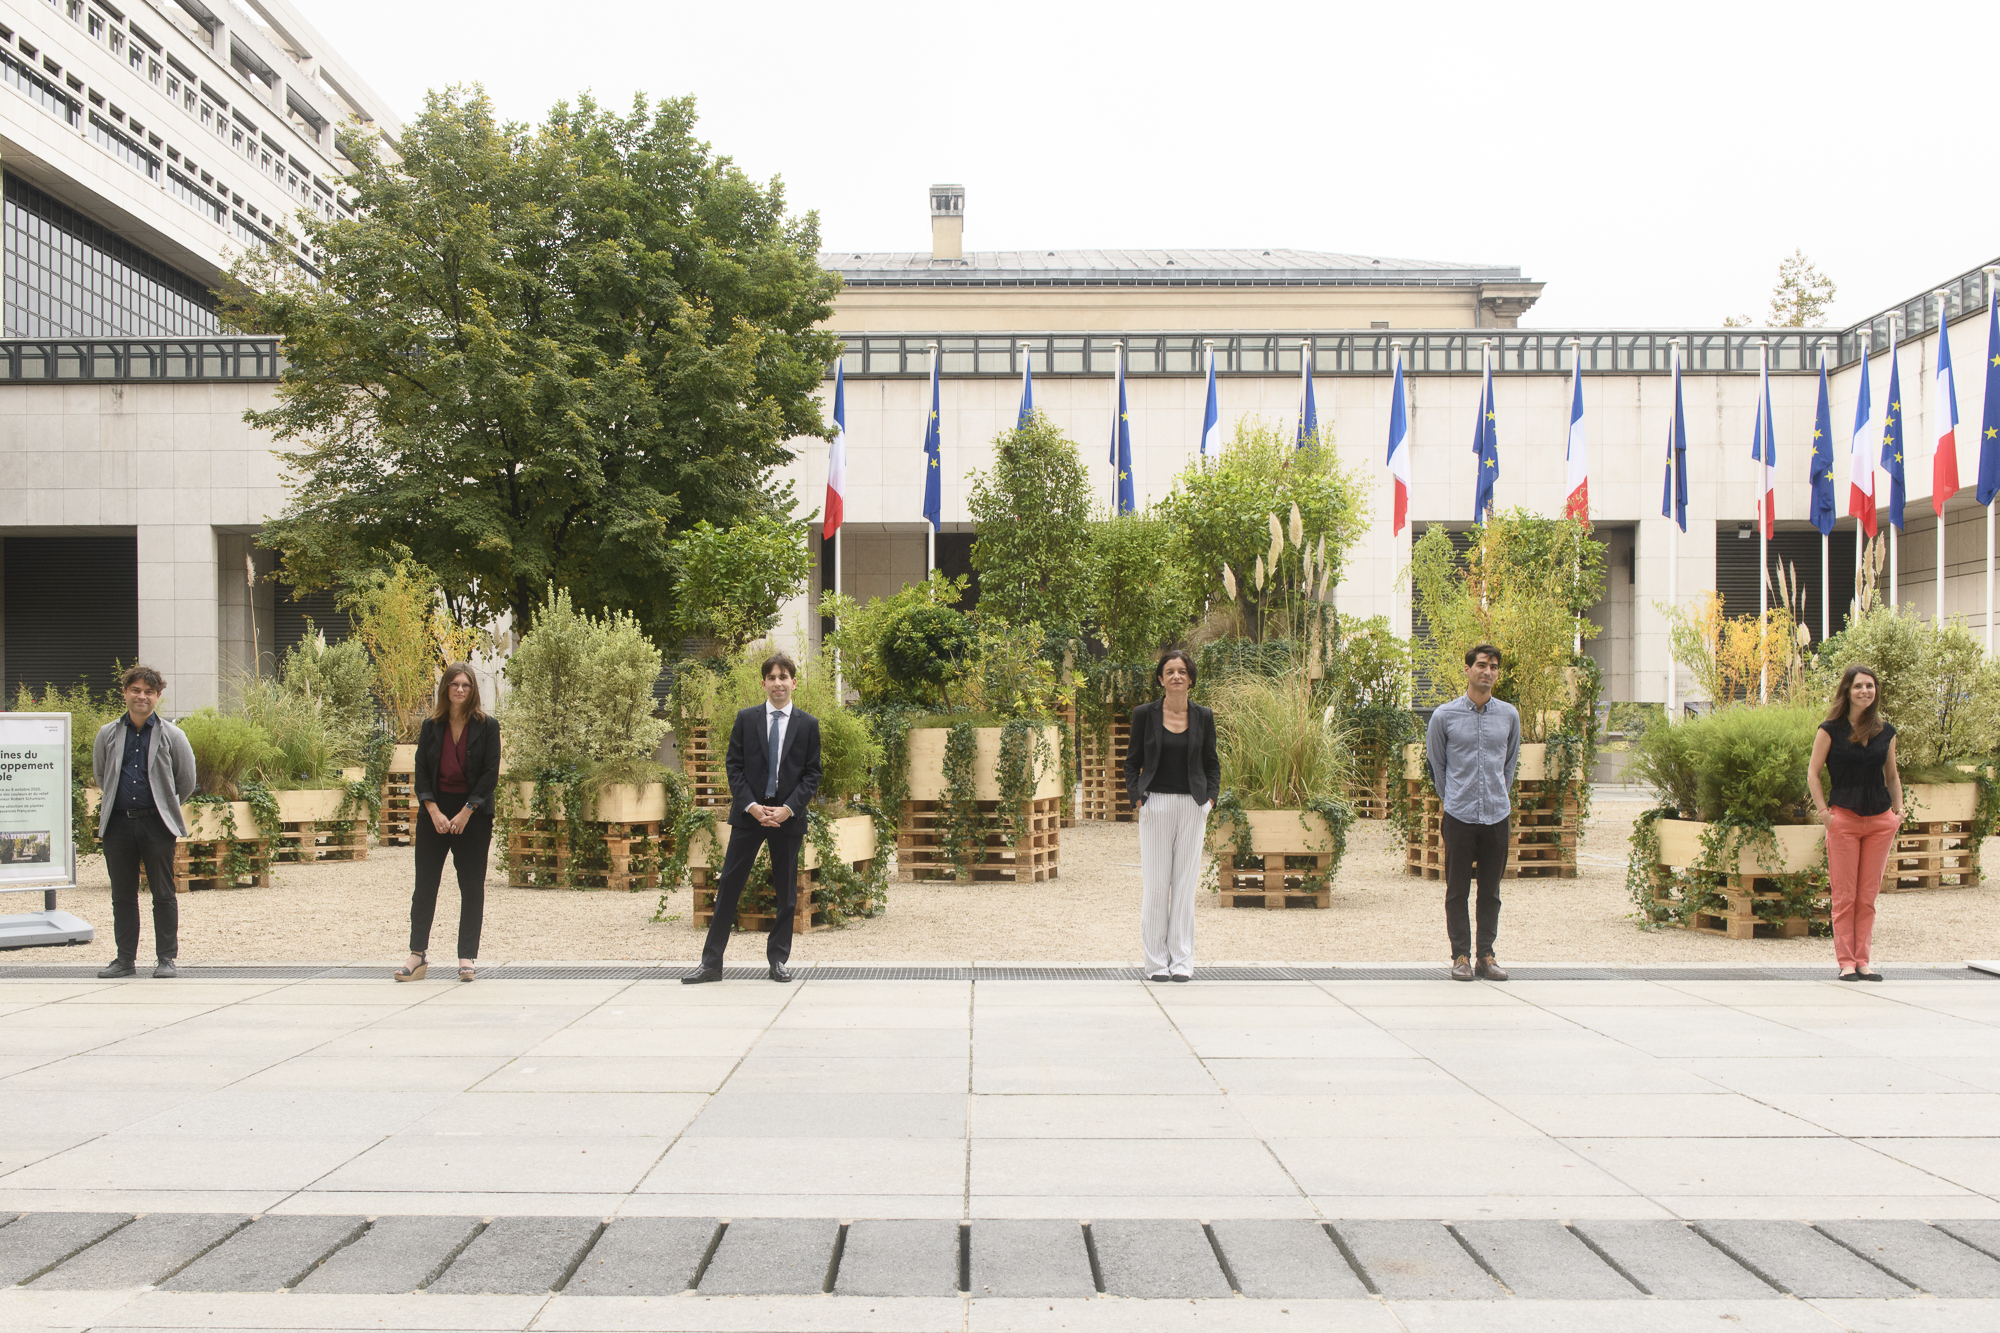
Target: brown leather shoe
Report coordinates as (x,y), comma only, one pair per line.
(1490,970)
(1461,968)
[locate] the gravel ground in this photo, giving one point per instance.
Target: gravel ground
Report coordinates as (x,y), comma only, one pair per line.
(1090,913)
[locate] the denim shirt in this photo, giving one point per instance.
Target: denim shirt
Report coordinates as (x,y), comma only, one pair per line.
(1473,753)
(135,787)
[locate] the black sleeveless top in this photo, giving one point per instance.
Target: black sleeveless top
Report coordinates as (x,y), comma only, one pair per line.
(1855,772)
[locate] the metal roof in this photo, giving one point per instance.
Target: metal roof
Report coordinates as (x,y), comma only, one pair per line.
(1145,267)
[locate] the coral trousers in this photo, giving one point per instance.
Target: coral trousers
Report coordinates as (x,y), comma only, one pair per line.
(1857,851)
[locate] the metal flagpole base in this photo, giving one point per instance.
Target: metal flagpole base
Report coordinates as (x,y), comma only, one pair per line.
(28,930)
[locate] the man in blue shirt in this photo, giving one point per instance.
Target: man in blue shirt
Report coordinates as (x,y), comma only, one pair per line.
(1473,747)
(145,769)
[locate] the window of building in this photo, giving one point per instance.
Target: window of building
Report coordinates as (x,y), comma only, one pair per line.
(200,200)
(94,25)
(67,277)
(23,77)
(123,147)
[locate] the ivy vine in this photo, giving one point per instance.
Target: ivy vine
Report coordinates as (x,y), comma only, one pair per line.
(1666,896)
(241,857)
(961,835)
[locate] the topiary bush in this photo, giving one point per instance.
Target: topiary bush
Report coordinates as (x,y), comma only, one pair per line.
(923,649)
(1744,760)
(582,691)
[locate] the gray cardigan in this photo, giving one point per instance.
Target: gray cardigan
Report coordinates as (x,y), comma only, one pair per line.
(169,767)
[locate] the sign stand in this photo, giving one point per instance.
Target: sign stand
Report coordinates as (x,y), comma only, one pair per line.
(37,833)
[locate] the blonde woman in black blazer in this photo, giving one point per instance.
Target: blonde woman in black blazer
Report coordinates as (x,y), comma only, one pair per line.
(458,767)
(1172,777)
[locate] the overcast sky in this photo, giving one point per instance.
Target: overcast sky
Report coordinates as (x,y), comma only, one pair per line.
(1651,164)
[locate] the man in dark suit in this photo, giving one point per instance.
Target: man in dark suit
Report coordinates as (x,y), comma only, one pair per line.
(773,768)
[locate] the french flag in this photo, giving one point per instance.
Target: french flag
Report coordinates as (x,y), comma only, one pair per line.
(1399,445)
(836,457)
(1944,461)
(1577,459)
(1764,449)
(1861,457)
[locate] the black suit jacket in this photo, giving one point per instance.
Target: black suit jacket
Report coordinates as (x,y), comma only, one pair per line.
(482,759)
(749,766)
(1142,754)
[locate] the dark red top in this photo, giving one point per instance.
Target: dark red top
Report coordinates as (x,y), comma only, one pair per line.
(451,761)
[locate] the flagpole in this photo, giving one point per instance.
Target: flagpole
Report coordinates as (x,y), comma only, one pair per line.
(1486,380)
(1764,433)
(930,529)
(1942,411)
(1305,384)
(1673,542)
(1895,529)
(1117,379)
(1576,565)
(1992,278)
(1826,538)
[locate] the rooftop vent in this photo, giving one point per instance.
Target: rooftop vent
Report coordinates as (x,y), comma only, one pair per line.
(947,222)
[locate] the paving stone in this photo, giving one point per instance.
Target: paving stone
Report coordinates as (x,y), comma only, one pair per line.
(1981,1234)
(34,1242)
(1921,1255)
(1674,1263)
(394,1256)
(153,1247)
(1416,1261)
(899,1259)
(1156,1258)
(772,1256)
(644,1256)
(1292,1259)
(268,1255)
(1802,1261)
(1542,1261)
(1030,1258)
(517,1256)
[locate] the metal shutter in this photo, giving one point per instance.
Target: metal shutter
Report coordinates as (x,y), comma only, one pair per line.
(72,610)
(1736,570)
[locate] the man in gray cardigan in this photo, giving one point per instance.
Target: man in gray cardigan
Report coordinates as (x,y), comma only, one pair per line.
(145,769)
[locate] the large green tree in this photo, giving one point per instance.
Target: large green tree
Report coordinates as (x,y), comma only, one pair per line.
(1033,512)
(537,354)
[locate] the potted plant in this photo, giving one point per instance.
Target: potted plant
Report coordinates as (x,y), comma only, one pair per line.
(232,820)
(318,715)
(583,804)
(1278,833)
(1734,848)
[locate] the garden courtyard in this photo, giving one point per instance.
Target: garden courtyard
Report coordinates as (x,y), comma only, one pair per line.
(357,912)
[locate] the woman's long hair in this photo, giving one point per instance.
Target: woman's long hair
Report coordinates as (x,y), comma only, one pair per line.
(1871,718)
(473,712)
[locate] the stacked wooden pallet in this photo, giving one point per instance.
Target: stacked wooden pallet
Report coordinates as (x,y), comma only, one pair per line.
(1938,854)
(1368,794)
(854,843)
(315,840)
(539,855)
(396,819)
(1739,918)
(199,864)
(1033,857)
(1101,774)
(1541,842)
(703,763)
(1746,879)
(1276,879)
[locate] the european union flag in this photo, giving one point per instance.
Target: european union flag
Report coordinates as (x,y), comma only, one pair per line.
(1486,444)
(1674,486)
(1989,421)
(1027,389)
(1823,507)
(1121,448)
(1308,411)
(1892,439)
(933,457)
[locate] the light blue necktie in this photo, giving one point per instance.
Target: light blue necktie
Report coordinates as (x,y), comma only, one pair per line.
(771,749)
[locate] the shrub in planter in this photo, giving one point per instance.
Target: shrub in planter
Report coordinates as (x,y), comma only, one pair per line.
(1281,749)
(924,649)
(859,629)
(1938,685)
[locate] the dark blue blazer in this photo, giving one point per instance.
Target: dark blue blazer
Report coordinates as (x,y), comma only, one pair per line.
(749,766)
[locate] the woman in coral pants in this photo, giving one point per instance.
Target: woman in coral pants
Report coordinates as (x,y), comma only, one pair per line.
(1858,749)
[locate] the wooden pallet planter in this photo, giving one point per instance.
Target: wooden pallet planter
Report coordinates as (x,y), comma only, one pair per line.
(1036,853)
(1070,811)
(703,761)
(199,858)
(1541,844)
(1100,777)
(396,815)
(1744,880)
(1288,856)
(1368,795)
(1936,850)
(308,830)
(630,820)
(854,841)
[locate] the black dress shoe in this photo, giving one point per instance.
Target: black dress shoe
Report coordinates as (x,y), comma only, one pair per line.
(1850,976)
(119,968)
(700,975)
(166,968)
(779,972)
(1160,976)
(1180,976)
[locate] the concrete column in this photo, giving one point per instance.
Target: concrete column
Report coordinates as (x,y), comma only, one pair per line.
(178,614)
(245,622)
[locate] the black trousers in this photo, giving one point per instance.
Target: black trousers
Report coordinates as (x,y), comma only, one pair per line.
(135,840)
(468,851)
(736,863)
(1470,849)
